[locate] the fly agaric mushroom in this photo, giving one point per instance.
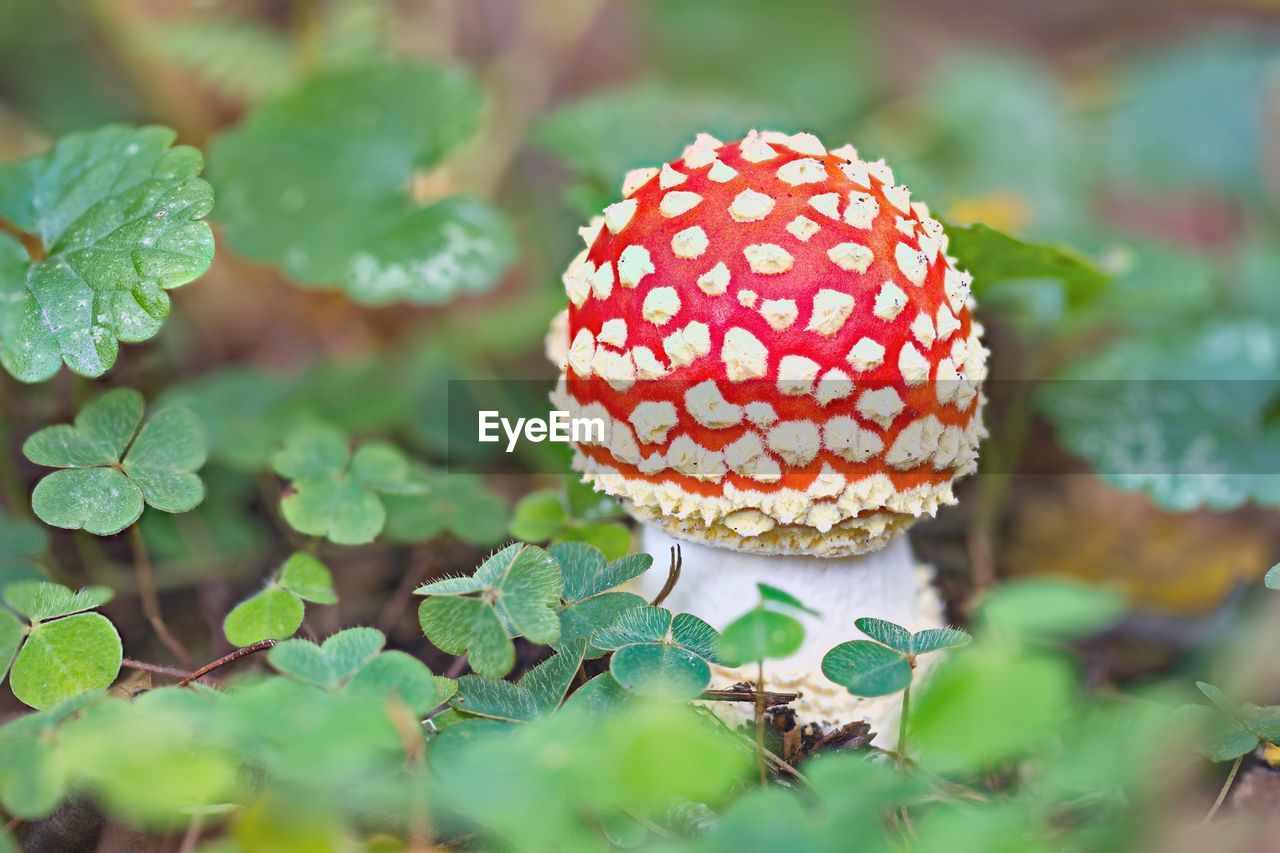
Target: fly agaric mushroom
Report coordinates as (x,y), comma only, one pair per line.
(786,363)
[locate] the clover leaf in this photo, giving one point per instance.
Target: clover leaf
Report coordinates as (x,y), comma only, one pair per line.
(350,142)
(62,650)
(656,653)
(113,462)
(332,663)
(1188,418)
(766,631)
(276,611)
(519,589)
(538,693)
(453,502)
(1230,730)
(883,665)
(334,492)
(589,602)
(114,217)
(578,515)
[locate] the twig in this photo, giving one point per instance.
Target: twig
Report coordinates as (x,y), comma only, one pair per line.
(244,652)
(771,698)
(150,600)
(673,575)
(154,668)
(1222,795)
(191,837)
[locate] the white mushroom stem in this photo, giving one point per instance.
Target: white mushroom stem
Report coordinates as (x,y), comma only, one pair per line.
(719,585)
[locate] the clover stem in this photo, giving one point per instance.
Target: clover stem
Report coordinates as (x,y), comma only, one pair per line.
(244,651)
(150,599)
(764,777)
(1222,794)
(902,725)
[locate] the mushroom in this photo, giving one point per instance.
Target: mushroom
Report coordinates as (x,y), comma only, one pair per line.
(786,363)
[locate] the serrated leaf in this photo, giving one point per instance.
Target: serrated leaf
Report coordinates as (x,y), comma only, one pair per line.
(537,694)
(866,668)
(993,256)
(330,664)
(119,214)
(886,633)
(65,657)
(399,674)
(278,188)
(759,635)
(101,501)
(308,578)
(41,600)
(164,458)
(274,613)
(657,669)
(100,434)
(469,626)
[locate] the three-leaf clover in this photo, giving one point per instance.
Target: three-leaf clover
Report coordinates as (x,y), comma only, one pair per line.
(114,217)
(319,180)
(1231,730)
(333,491)
(276,611)
(883,664)
(63,649)
(534,697)
(590,599)
(765,631)
(112,463)
(516,592)
(578,515)
(657,653)
(454,502)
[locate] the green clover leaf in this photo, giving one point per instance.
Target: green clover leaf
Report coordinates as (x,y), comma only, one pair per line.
(335,493)
(453,502)
(589,603)
(345,141)
(655,653)
(519,588)
(118,216)
(110,467)
(275,612)
(883,664)
(538,693)
(1230,730)
(332,663)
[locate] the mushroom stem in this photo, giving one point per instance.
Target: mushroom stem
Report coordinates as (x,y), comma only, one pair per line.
(719,585)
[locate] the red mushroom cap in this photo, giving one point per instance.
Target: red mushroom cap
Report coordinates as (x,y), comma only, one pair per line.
(781,349)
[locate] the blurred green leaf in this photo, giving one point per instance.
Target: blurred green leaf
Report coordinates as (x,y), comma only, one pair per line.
(31,781)
(771,595)
(452,502)
(992,256)
(399,674)
(12,633)
(331,663)
(236,57)
(119,215)
(64,657)
(308,578)
(865,668)
(538,516)
(344,141)
(274,613)
(1049,609)
(1272,578)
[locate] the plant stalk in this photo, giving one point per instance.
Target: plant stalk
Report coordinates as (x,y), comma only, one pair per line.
(150,599)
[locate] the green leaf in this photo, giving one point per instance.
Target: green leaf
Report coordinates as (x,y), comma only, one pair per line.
(12,632)
(469,626)
(119,215)
(865,668)
(1049,609)
(313,450)
(538,516)
(399,674)
(538,693)
(758,635)
(586,573)
(886,633)
(164,458)
(581,619)
(1186,416)
(274,613)
(938,639)
(345,141)
(101,433)
(641,625)
(611,538)
(695,635)
(31,779)
(65,657)
(308,578)
(453,502)
(333,662)
(529,594)
(1272,578)
(20,538)
(993,256)
(381,467)
(101,501)
(40,600)
(773,595)
(657,669)
(335,507)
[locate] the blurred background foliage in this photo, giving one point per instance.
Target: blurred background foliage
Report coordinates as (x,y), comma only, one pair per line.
(1143,135)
